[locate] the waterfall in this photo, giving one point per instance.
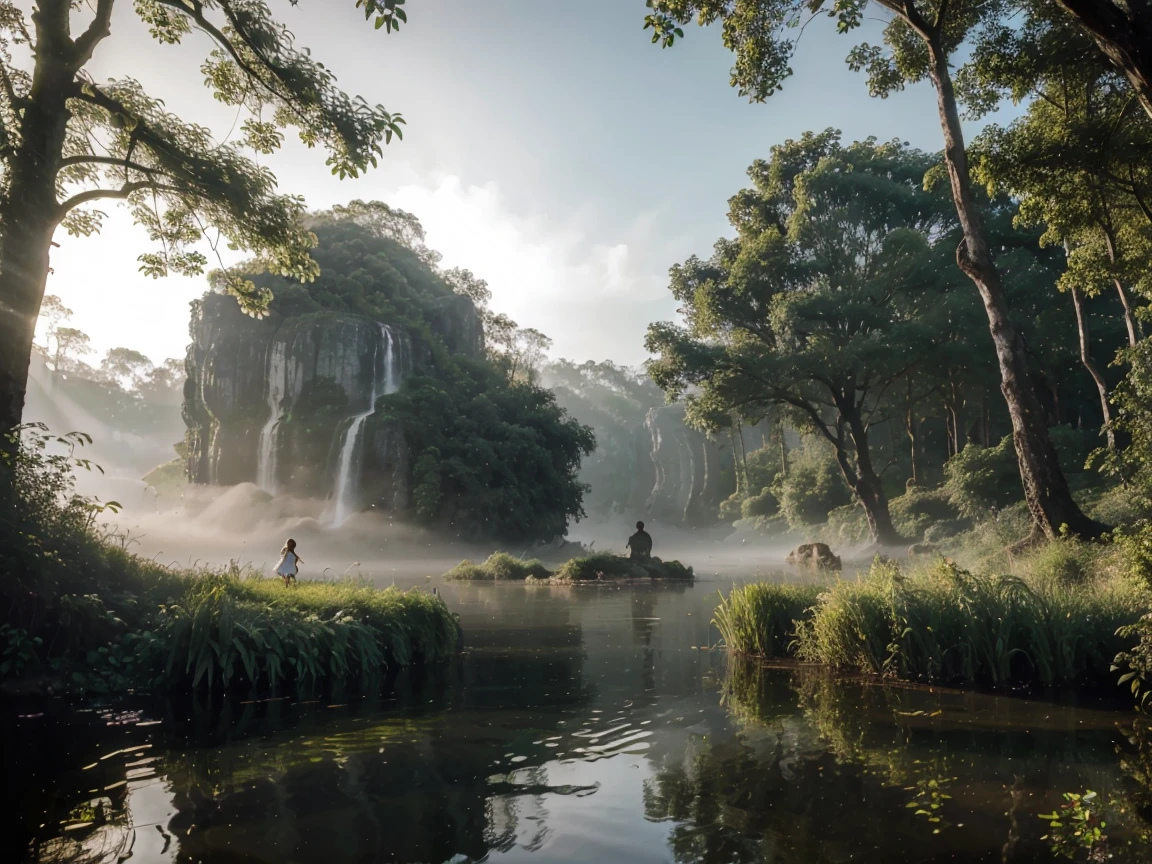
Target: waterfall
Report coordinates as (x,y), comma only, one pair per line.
(382,385)
(277,380)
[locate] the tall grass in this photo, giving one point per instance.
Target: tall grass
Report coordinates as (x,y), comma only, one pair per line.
(943,625)
(760,618)
(233,632)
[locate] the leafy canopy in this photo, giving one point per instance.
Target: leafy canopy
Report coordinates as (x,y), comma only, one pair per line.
(181,183)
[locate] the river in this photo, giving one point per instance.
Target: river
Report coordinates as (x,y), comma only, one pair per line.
(581,725)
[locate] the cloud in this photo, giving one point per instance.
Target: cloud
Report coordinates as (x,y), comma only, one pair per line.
(593,298)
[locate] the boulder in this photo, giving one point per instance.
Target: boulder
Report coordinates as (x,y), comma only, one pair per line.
(816,556)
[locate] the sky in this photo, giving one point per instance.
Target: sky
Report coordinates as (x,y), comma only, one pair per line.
(550,148)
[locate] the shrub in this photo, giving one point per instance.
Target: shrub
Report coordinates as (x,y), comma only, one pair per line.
(813,487)
(763,503)
(914,512)
(847,526)
(981,479)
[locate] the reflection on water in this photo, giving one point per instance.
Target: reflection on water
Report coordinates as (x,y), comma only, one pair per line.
(583,724)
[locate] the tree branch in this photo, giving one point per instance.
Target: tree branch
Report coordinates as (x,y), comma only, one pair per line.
(123,192)
(97,32)
(108,160)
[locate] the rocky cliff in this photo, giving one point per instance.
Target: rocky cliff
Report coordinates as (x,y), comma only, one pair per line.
(288,402)
(690,473)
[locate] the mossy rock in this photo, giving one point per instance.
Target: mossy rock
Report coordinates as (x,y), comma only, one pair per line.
(500,567)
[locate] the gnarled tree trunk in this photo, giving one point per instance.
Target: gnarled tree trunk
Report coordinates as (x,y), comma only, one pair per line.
(1045,487)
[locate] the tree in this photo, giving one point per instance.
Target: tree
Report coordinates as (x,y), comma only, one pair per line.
(67,141)
(1077,162)
(126,368)
(55,313)
(1122,29)
(71,345)
(164,381)
(920,38)
(825,302)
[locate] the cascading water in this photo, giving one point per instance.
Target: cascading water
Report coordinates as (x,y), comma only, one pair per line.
(277,380)
(382,385)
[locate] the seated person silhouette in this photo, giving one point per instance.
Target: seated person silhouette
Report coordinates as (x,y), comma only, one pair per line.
(640,544)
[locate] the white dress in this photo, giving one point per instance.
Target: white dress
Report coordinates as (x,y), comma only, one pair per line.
(287,566)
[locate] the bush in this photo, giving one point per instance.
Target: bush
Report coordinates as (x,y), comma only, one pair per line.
(979,480)
(847,526)
(760,505)
(917,510)
(813,487)
(760,619)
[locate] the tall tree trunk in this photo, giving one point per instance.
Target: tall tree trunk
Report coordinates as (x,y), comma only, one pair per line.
(1093,370)
(1125,300)
(910,428)
(28,207)
(1046,490)
(863,480)
(783,449)
(1123,31)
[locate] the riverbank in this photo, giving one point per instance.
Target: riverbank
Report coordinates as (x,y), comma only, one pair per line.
(941,624)
(598,567)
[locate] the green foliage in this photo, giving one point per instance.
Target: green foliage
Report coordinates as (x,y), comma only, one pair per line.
(1077,827)
(492,458)
(760,618)
(918,510)
(20,651)
(499,567)
(762,504)
(980,480)
(812,488)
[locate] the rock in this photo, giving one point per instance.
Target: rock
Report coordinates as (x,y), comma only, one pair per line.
(814,555)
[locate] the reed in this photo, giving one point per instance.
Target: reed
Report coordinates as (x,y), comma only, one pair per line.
(236,633)
(759,619)
(942,625)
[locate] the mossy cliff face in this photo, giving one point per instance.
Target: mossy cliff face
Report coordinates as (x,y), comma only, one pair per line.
(688,473)
(272,401)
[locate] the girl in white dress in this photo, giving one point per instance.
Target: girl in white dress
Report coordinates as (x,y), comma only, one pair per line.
(289,562)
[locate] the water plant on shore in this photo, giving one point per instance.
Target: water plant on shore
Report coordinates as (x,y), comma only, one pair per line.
(943,625)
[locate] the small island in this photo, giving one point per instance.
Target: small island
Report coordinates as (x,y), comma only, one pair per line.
(596,568)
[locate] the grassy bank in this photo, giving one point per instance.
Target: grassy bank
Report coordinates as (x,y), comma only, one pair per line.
(943,625)
(502,567)
(82,614)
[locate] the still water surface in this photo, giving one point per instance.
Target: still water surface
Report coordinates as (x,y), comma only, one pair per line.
(582,725)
